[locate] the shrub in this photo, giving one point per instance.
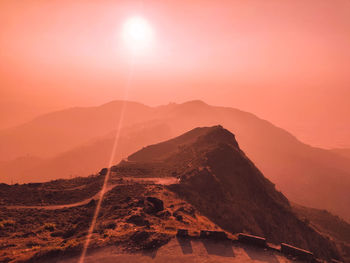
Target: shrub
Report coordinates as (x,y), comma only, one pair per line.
(49,226)
(110,225)
(57,234)
(7,223)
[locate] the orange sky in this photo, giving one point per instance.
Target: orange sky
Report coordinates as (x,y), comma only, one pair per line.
(286,61)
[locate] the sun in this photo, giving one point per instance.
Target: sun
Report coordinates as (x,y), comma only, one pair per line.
(137,33)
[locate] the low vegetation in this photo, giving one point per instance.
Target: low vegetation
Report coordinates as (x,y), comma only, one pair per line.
(133,216)
(52,193)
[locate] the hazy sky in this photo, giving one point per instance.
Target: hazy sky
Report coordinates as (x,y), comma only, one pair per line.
(286,61)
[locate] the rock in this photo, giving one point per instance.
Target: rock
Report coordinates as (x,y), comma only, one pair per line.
(139,202)
(164,214)
(179,217)
(28,234)
(158,204)
(31,244)
(138,220)
(156,241)
(187,210)
(109,225)
(153,205)
(103,171)
(149,240)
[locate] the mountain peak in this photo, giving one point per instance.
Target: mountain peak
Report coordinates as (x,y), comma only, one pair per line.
(218,134)
(201,136)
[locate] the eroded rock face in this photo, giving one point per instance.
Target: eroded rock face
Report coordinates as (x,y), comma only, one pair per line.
(154,205)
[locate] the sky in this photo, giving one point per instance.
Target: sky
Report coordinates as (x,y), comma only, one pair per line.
(285,61)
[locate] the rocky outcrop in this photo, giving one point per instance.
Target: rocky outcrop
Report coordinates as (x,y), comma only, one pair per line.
(154,205)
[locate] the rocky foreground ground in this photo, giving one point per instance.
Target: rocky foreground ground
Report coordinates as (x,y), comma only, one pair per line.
(133,216)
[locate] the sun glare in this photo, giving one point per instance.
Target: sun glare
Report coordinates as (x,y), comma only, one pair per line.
(137,33)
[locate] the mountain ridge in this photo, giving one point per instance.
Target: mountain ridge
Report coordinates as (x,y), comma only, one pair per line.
(221,182)
(302,172)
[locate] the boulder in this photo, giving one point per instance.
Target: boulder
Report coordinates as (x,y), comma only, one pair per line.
(187,210)
(154,205)
(164,214)
(178,217)
(138,220)
(103,171)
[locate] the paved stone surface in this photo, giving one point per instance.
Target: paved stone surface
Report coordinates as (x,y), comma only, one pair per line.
(189,251)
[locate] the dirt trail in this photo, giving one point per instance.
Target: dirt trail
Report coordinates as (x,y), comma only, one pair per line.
(54,207)
(126,180)
(156,180)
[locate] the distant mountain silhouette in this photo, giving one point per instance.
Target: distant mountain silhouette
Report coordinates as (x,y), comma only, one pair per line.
(53,133)
(219,180)
(18,166)
(83,137)
(85,159)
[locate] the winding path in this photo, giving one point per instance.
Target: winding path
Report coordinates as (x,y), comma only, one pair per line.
(126,180)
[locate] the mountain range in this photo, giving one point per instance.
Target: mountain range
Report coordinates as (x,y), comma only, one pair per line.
(79,141)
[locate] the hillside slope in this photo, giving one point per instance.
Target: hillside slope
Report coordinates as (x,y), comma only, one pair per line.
(330,226)
(345,152)
(219,180)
